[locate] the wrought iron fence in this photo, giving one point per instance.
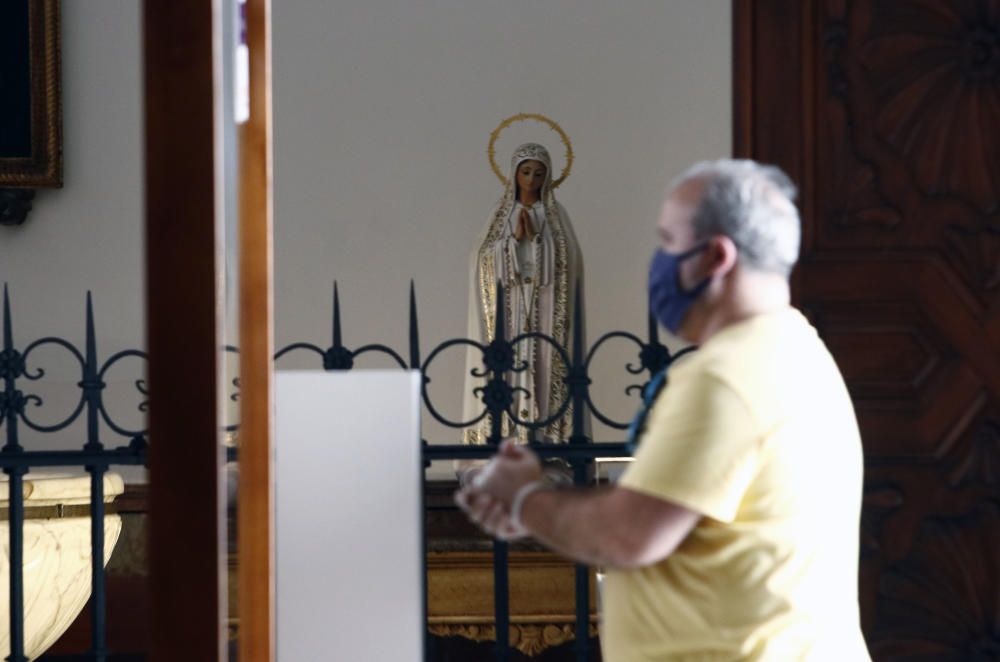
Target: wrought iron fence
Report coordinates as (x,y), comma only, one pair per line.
(15,368)
(497,395)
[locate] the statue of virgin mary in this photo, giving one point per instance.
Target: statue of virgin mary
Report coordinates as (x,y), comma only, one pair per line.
(529,246)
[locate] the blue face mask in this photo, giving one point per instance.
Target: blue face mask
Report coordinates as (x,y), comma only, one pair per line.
(668,300)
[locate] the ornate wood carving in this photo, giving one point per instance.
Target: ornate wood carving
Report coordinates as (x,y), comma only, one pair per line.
(460,587)
(908,94)
(979,461)
(529,639)
(942,602)
(879,502)
(933,72)
(886,114)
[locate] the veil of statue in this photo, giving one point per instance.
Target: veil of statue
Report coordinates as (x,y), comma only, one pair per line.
(529,246)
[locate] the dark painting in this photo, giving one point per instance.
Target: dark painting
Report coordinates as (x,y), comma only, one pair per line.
(15,80)
(30,107)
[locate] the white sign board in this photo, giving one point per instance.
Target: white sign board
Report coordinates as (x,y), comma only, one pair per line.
(349,562)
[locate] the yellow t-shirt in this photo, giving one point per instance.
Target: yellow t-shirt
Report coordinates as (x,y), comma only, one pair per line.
(756,432)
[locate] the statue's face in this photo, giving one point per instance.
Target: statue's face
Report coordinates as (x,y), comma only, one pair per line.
(530,175)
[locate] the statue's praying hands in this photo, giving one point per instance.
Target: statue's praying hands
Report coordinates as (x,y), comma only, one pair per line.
(525,228)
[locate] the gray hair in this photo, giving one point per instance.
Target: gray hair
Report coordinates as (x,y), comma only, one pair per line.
(752,204)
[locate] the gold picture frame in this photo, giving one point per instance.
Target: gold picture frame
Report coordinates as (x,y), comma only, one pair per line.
(31,118)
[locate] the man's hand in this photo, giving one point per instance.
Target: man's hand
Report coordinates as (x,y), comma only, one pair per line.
(511,468)
(487,499)
(491,514)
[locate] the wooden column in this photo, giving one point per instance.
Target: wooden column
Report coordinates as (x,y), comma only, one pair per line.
(256,487)
(183,312)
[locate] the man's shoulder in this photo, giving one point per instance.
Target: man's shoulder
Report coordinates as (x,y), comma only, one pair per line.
(772,335)
(760,359)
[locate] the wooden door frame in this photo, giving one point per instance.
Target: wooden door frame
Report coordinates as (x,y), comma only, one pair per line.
(184,329)
(256,488)
(756,80)
(771,98)
(184,333)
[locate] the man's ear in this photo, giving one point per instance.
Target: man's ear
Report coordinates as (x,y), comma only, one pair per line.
(722,255)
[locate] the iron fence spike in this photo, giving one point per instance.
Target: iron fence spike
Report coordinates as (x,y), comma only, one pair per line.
(414,329)
(578,327)
(337,337)
(8,334)
(91,342)
(500,319)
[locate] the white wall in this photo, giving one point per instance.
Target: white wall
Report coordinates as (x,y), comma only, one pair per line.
(382,113)
(87,235)
(383,109)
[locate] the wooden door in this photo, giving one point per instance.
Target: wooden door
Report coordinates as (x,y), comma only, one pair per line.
(887,114)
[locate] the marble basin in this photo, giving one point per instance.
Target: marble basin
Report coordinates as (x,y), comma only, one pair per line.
(56,554)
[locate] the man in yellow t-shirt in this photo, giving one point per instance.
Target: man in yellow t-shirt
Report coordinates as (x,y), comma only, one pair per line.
(734,534)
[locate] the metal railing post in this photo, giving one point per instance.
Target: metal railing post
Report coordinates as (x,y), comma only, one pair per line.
(16,555)
(497,365)
(92,388)
(11,405)
(579,384)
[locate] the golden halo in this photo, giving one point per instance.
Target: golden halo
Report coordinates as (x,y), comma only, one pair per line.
(523,117)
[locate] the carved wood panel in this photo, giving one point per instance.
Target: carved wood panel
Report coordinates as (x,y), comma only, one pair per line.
(887,113)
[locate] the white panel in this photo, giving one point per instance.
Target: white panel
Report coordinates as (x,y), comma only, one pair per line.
(349,548)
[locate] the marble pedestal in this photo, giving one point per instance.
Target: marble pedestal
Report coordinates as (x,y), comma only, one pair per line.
(57,554)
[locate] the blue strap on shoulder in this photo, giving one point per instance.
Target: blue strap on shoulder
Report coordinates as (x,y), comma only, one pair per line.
(649,394)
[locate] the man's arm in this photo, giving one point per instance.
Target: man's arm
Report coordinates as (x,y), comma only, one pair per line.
(612,526)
